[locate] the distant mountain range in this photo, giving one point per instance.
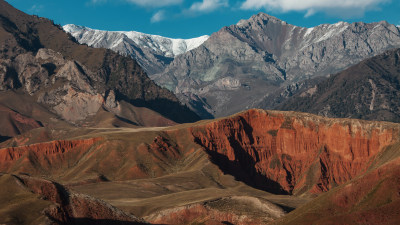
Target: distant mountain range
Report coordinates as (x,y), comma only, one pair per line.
(152,52)
(263,61)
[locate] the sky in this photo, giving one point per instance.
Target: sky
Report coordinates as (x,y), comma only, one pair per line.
(193,18)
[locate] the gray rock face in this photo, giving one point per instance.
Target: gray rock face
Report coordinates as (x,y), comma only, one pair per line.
(62,84)
(260,57)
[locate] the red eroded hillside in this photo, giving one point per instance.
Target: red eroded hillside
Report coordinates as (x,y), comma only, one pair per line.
(293,152)
(123,156)
(373,198)
(44,157)
(280,152)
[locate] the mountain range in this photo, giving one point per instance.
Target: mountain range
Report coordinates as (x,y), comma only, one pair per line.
(262,61)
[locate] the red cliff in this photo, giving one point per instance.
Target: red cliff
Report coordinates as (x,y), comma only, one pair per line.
(293,152)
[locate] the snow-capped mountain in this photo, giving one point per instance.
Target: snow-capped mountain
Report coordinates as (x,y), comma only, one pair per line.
(153,52)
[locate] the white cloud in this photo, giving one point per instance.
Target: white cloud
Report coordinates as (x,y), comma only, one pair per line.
(155,3)
(309,13)
(36,8)
(355,7)
(208,5)
(97,1)
(158,16)
(145,3)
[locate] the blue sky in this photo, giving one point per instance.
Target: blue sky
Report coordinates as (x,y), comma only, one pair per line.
(192,18)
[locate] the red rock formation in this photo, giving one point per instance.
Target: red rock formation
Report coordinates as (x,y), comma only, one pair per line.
(42,156)
(80,161)
(293,152)
(275,151)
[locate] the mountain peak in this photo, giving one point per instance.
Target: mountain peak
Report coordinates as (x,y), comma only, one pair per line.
(265,16)
(260,18)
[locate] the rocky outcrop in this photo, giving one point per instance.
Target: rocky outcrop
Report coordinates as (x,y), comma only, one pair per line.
(293,153)
(368,90)
(72,208)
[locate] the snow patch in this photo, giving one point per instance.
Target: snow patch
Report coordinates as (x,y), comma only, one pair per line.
(339,24)
(308,32)
(242,22)
(334,30)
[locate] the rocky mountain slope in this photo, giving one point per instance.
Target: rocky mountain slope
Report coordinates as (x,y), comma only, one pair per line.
(242,64)
(76,82)
(152,52)
(368,90)
(194,172)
